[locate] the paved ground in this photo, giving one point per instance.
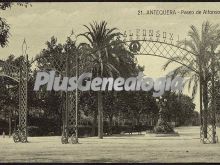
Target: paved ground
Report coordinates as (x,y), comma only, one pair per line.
(126,148)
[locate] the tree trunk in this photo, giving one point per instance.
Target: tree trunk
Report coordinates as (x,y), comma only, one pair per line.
(213,103)
(94,122)
(110,124)
(5,118)
(201,92)
(9,123)
(200,102)
(205,102)
(137,119)
(100,115)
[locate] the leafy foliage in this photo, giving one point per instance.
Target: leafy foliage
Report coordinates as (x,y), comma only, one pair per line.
(4,26)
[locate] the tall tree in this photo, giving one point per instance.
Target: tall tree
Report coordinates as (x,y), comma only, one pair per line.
(100,36)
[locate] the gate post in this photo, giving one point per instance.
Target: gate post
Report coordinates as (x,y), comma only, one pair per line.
(23,79)
(69,114)
(65,131)
(208,126)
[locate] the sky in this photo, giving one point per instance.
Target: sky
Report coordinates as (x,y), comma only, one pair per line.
(37,24)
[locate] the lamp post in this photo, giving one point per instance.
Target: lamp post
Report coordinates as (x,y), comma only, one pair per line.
(68,103)
(77,70)
(9,122)
(76,140)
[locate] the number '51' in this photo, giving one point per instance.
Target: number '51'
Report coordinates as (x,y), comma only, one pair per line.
(139,12)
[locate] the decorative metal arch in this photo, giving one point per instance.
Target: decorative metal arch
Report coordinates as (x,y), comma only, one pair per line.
(150,47)
(163,45)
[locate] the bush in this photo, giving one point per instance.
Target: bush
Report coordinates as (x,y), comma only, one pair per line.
(84,131)
(4,126)
(34,131)
(44,127)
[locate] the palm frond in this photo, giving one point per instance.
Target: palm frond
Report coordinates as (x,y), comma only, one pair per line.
(111,30)
(171,60)
(112,68)
(86,35)
(194,35)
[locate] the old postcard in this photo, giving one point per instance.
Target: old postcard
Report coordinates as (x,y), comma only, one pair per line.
(109,82)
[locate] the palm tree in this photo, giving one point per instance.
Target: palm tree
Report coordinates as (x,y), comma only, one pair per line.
(200,45)
(99,36)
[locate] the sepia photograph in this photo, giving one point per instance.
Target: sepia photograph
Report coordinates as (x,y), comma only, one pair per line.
(109,82)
